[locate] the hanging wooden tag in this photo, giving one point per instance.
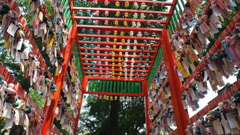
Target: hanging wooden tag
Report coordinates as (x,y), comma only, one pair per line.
(216,11)
(12,29)
(17,116)
(40,16)
(218,127)
(7,110)
(231,121)
(26,122)
(48,101)
(57,110)
(184,104)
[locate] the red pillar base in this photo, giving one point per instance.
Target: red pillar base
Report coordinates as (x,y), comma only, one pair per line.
(147,105)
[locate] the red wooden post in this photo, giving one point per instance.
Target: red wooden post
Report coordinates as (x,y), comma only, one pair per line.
(147,105)
(59,82)
(78,115)
(84,83)
(180,114)
(84,88)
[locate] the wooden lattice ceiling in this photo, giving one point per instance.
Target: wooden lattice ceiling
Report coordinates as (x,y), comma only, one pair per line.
(119,42)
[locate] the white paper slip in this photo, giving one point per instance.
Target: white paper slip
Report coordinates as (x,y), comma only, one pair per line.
(8,124)
(12,29)
(7,110)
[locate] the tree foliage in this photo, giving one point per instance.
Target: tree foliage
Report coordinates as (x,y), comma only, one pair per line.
(97,118)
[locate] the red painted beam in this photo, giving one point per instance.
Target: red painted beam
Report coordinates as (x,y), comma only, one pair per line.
(116,55)
(113,94)
(116,79)
(117,43)
(118,19)
(116,50)
(110,65)
(139,2)
(116,61)
(117,70)
(110,69)
(112,28)
(117,37)
(120,10)
(115,74)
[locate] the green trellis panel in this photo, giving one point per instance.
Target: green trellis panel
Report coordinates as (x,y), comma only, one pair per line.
(133,88)
(139,87)
(90,86)
(136,88)
(66,3)
(155,66)
(111,88)
(69,24)
(100,85)
(125,87)
(179,7)
(170,29)
(96,86)
(114,86)
(118,86)
(121,88)
(171,24)
(175,20)
(182,2)
(78,62)
(68,12)
(107,87)
(129,88)
(177,15)
(104,86)
(65,13)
